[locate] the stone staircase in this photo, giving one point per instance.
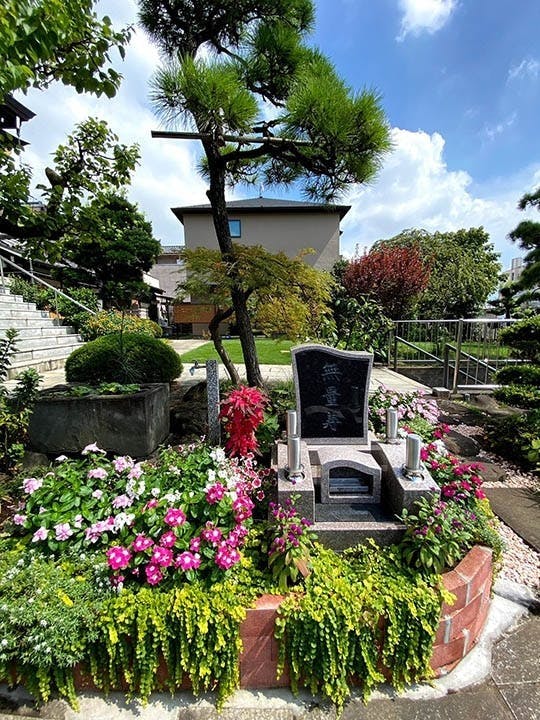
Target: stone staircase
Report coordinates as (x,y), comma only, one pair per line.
(42,343)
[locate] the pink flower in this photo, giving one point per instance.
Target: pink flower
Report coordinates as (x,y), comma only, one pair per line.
(215,493)
(188,561)
(135,472)
(480,494)
(151,504)
(142,543)
(168,539)
(162,556)
(242,508)
(40,534)
(211,534)
(78,521)
(122,501)
(19,519)
(98,494)
(174,517)
(63,531)
(98,473)
(30,485)
(195,544)
(92,448)
(122,463)
(226,556)
(153,574)
(260,495)
(118,557)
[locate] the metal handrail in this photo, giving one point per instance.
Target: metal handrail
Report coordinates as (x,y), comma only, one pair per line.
(40,280)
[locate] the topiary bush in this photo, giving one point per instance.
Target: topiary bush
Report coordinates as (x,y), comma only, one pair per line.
(112,321)
(128,357)
(519,375)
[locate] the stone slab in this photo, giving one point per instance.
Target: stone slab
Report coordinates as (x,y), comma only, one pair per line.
(520,509)
(523,700)
(331,457)
(302,487)
(516,657)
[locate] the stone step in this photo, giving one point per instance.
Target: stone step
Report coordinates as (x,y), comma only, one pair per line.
(39,332)
(27,357)
(7,297)
(28,322)
(12,304)
(40,366)
(47,341)
(24,314)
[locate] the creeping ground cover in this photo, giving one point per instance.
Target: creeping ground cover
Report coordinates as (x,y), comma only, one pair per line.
(138,574)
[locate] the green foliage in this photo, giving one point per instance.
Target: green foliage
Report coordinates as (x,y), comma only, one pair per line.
(522,396)
(464,270)
(123,358)
(519,375)
(527,234)
(108,322)
(514,437)
(15,407)
(524,339)
(101,389)
(47,40)
(333,633)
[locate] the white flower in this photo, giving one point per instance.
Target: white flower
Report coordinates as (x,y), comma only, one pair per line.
(218,454)
(155,491)
(211,476)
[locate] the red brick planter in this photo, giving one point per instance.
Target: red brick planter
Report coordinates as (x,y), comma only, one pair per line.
(459,627)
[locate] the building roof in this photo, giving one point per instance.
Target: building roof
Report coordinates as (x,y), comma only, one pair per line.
(171,249)
(264,205)
(12,112)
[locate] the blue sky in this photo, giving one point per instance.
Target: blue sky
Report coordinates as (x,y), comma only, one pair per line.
(460,83)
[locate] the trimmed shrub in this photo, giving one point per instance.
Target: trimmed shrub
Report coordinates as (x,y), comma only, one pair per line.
(519,375)
(514,436)
(522,396)
(131,357)
(524,339)
(111,321)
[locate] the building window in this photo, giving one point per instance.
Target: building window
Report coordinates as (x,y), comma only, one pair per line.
(235,228)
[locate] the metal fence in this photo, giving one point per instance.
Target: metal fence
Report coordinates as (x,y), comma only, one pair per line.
(466,352)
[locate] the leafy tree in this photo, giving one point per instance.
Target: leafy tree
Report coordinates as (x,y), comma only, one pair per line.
(393,277)
(91,163)
(320,134)
(46,40)
(114,241)
(527,234)
(464,270)
(285,297)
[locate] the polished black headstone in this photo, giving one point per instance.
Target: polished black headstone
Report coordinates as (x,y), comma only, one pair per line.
(332,394)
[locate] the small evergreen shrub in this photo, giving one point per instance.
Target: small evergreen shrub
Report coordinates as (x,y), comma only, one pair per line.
(522,396)
(519,375)
(126,358)
(515,436)
(524,339)
(112,321)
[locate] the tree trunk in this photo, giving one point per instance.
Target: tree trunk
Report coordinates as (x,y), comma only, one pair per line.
(213,326)
(216,195)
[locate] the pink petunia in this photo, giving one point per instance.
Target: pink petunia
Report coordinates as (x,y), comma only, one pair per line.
(135,472)
(211,534)
(226,556)
(122,463)
(98,494)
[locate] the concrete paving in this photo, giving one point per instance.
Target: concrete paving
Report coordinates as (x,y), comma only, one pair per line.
(520,509)
(498,680)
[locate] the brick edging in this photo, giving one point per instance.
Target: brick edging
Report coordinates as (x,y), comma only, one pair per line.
(458,632)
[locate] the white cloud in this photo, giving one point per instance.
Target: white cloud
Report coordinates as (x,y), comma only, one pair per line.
(424,16)
(490,132)
(527,68)
(416,189)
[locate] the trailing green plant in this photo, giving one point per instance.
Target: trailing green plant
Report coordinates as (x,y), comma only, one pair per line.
(521,374)
(15,406)
(360,611)
(524,339)
(123,358)
(522,396)
(108,322)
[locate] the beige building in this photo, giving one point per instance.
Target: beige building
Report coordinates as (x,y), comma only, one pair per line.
(278,225)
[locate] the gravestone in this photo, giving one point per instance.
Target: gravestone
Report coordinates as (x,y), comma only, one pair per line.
(332,394)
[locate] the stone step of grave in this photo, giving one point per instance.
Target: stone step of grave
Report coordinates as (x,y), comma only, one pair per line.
(340,535)
(348,486)
(352,512)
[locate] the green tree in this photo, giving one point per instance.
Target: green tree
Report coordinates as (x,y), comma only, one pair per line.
(285,297)
(527,234)
(90,164)
(114,242)
(464,270)
(321,133)
(46,40)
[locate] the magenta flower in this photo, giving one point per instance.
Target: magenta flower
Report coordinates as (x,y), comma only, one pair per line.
(63,531)
(118,557)
(215,493)
(19,519)
(195,544)
(168,539)
(188,561)
(40,534)
(122,463)
(162,556)
(211,534)
(30,485)
(142,543)
(153,574)
(98,473)
(174,517)
(226,556)
(150,504)
(242,508)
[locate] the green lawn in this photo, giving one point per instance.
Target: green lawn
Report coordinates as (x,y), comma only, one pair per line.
(270,352)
